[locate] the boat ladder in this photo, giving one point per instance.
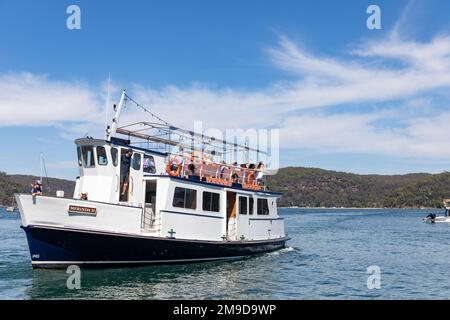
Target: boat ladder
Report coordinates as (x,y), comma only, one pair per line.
(232,229)
(151,222)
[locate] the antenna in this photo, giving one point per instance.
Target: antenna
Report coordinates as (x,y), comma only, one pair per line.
(107,103)
(41,164)
(44,171)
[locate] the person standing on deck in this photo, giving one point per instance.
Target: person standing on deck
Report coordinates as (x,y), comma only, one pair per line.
(125,163)
(260,173)
(180,159)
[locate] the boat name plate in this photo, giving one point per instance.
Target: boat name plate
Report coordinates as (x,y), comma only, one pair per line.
(82,210)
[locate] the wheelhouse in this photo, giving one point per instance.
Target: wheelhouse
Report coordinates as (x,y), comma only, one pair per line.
(99,164)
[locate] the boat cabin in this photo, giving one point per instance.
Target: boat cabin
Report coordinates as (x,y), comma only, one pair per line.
(196,198)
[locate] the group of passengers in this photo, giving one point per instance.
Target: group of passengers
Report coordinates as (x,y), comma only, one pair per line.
(236,172)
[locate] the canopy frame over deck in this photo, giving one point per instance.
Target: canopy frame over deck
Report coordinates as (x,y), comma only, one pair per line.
(166,136)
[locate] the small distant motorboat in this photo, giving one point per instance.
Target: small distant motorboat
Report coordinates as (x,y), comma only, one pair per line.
(10,209)
(433,218)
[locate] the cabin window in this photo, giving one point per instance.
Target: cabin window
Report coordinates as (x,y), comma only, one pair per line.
(243,205)
(185,198)
(88,156)
(80,161)
(115,156)
(102,160)
(250,205)
(211,201)
(137,161)
(149,164)
(263,207)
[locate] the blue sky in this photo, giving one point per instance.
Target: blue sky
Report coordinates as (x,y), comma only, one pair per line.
(344,97)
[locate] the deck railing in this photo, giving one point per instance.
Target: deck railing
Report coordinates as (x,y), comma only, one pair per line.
(223,174)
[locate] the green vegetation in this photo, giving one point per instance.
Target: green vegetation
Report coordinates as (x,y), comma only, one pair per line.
(10,184)
(308,187)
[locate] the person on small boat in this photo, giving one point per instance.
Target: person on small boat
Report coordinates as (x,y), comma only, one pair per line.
(125,164)
(36,188)
(431,216)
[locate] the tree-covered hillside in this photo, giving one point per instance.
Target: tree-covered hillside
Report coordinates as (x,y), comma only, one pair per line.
(308,187)
(10,184)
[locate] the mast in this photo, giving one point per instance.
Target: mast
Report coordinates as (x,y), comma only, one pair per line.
(107,101)
(111,131)
(41,164)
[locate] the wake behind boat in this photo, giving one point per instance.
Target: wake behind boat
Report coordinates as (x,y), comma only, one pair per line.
(135,206)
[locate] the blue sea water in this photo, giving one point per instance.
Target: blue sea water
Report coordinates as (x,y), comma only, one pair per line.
(327,258)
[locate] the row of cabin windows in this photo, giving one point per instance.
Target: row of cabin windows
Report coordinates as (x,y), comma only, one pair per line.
(262,206)
(86,159)
(187,199)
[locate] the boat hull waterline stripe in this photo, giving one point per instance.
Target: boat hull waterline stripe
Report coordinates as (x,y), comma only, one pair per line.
(51,246)
(133,262)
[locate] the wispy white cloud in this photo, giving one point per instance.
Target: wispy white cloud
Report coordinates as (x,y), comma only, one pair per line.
(28,99)
(416,137)
(404,72)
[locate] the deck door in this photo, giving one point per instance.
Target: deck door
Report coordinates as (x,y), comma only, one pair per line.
(231,216)
(136,182)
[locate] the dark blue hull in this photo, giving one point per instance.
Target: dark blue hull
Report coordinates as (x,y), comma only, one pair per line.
(57,248)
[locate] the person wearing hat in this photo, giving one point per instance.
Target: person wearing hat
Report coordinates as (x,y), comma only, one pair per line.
(36,188)
(125,163)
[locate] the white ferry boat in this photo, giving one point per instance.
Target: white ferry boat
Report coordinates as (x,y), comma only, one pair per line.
(166,208)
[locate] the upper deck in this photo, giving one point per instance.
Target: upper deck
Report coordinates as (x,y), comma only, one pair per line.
(101,157)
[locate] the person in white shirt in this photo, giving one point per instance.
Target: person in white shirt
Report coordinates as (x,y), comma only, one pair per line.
(260,172)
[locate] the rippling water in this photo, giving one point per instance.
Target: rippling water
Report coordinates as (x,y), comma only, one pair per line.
(327,258)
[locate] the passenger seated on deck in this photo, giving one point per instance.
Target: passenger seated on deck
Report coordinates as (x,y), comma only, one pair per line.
(36,188)
(191,169)
(206,157)
(222,168)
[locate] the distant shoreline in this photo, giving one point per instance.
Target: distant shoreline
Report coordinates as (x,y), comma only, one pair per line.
(355,208)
